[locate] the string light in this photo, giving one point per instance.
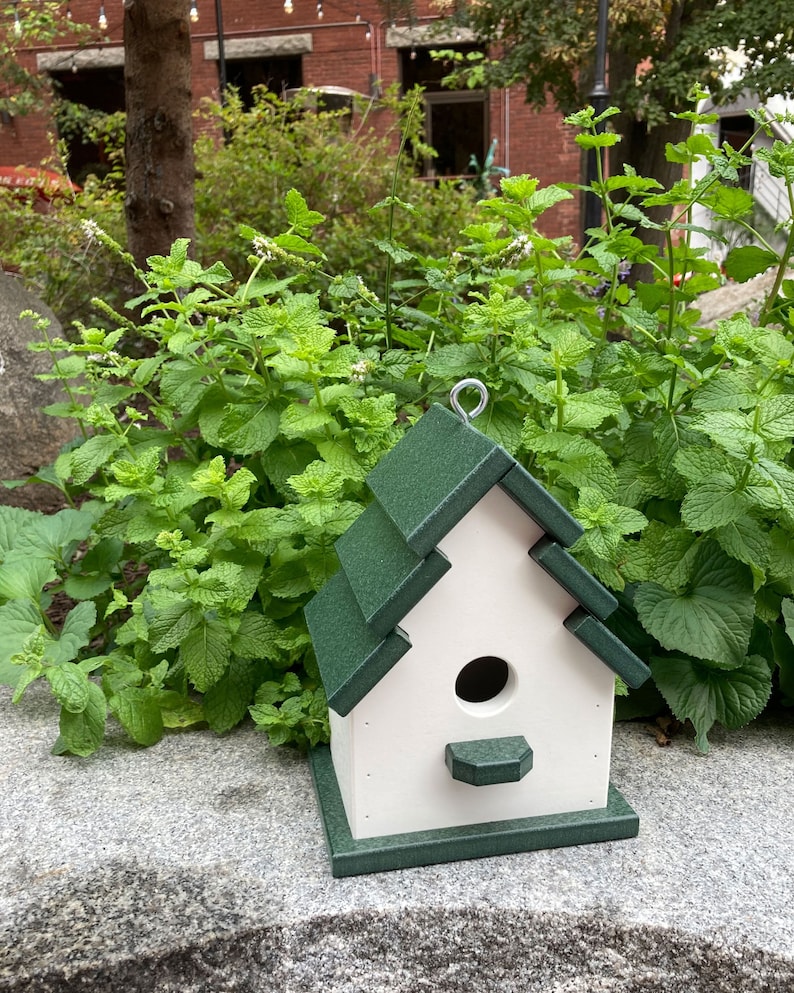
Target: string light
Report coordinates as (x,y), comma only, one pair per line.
(68,12)
(319,10)
(288,8)
(103,21)
(194,14)
(368,32)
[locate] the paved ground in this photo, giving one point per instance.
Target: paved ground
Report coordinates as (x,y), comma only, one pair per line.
(199,866)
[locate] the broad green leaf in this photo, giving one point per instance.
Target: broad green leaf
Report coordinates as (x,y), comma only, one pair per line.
(588,410)
(82,733)
(181,384)
(456,361)
(704,694)
(172,625)
(662,554)
(23,578)
(727,390)
(241,428)
(205,652)
(298,214)
(92,455)
(19,619)
(711,618)
(49,536)
(75,633)
(713,503)
(226,703)
(138,711)
(319,480)
(13,523)
(255,636)
(749,542)
(747,261)
(300,420)
(70,686)
(776,418)
(583,464)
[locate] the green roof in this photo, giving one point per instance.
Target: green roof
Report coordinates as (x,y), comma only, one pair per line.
(422,488)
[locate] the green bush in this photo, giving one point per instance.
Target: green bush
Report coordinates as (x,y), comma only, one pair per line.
(213,475)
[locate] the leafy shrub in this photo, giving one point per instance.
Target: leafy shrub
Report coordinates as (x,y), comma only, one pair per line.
(214,474)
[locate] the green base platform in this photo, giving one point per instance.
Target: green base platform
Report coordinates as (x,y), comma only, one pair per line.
(350,857)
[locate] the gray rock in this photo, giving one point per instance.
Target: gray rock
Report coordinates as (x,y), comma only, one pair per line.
(198,866)
(29,438)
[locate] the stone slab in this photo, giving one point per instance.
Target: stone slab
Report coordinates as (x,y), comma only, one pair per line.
(199,865)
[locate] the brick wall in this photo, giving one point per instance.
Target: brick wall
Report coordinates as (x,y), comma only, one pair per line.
(341,55)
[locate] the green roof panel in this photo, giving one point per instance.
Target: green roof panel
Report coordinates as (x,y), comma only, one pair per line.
(351,657)
(386,576)
(573,577)
(541,506)
(608,647)
(440,469)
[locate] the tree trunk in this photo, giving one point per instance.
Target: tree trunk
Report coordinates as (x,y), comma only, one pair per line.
(159,137)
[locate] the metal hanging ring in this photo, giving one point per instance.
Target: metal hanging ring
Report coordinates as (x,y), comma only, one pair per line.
(475,384)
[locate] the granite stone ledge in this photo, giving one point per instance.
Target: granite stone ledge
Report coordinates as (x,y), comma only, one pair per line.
(199,866)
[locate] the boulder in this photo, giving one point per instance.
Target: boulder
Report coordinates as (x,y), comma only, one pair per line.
(29,438)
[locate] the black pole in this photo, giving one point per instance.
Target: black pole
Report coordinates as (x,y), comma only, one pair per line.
(599,98)
(221,52)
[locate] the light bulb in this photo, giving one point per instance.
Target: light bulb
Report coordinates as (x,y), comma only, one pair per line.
(319,10)
(69,13)
(194,14)
(288,8)
(103,21)
(368,33)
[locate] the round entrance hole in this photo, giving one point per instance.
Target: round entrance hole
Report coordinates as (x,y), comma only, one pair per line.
(484,685)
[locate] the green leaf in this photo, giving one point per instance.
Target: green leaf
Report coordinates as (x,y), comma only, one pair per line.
(172,625)
(138,711)
(19,619)
(23,578)
(226,703)
(298,214)
(82,733)
(711,618)
(75,633)
(205,652)
(70,686)
(713,503)
(241,428)
(255,636)
(92,455)
(776,418)
(13,523)
(703,694)
(49,536)
(588,410)
(747,261)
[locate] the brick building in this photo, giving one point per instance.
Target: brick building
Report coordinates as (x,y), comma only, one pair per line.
(333,45)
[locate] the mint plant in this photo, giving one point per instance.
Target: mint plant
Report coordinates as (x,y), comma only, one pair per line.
(217,466)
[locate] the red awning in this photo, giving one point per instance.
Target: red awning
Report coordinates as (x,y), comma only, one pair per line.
(46,183)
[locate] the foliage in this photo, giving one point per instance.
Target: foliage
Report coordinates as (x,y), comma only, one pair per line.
(342,165)
(659,50)
(26,23)
(214,474)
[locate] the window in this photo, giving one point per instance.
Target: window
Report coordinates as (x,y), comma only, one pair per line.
(456,122)
(276,73)
(80,90)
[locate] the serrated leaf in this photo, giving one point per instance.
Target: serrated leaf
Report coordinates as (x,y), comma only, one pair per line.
(584,464)
(241,428)
(711,618)
(714,502)
(226,703)
(75,633)
(13,523)
(92,455)
(205,652)
(454,362)
(704,694)
(23,578)
(82,733)
(776,418)
(19,619)
(255,636)
(747,261)
(138,711)
(172,625)
(69,686)
(588,410)
(300,419)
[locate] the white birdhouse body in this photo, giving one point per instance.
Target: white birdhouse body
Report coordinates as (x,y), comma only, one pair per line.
(495,603)
(469,677)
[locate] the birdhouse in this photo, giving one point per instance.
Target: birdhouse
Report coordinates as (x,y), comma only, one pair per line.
(469,676)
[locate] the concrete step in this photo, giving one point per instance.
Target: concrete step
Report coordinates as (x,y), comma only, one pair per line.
(198,866)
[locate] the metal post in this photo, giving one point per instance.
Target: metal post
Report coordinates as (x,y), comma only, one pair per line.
(599,98)
(221,52)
